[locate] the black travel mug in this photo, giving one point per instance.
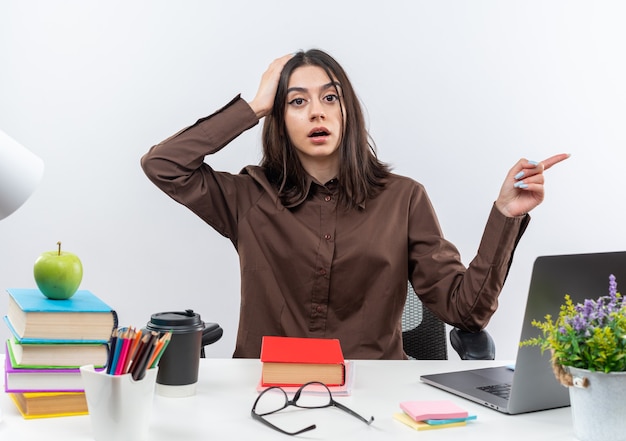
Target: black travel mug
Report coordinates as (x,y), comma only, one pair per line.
(179,364)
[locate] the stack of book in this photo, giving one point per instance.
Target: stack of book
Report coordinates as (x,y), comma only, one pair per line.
(50,340)
(292,361)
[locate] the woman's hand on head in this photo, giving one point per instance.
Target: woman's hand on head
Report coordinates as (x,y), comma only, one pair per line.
(523,187)
(264,99)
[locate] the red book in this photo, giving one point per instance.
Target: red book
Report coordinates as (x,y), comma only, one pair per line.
(293,361)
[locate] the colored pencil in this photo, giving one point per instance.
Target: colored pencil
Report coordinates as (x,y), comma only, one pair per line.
(112,343)
(116,353)
(161,346)
(138,353)
(139,369)
(132,351)
(126,341)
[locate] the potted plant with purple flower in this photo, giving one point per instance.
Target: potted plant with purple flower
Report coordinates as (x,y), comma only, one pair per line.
(588,346)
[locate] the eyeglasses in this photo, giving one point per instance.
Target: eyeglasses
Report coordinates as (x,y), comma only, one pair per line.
(312,395)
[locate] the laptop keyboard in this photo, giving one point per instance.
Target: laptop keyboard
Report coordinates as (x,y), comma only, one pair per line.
(501,390)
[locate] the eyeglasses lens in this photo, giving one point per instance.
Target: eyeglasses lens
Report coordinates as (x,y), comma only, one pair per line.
(270,401)
(313,395)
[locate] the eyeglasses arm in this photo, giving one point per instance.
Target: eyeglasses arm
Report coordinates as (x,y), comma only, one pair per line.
(267,423)
(351,412)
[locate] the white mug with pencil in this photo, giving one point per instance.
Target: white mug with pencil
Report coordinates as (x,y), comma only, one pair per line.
(120,397)
(133,351)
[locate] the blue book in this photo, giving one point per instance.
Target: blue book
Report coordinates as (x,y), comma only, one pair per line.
(34,318)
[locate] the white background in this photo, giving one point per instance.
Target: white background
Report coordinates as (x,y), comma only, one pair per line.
(455,93)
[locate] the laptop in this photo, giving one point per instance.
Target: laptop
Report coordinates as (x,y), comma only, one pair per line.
(530,384)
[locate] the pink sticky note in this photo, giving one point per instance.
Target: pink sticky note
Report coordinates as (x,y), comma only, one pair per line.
(432,410)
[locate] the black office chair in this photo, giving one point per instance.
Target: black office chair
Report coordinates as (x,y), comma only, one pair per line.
(424,335)
(212,332)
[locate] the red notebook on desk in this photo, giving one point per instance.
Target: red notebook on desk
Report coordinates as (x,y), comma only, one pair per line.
(344,390)
(293,361)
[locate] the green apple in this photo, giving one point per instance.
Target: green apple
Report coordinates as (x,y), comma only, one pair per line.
(58,273)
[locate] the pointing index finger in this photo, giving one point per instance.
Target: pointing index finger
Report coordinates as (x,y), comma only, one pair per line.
(547,163)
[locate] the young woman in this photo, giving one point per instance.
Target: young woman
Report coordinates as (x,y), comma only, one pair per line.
(327,236)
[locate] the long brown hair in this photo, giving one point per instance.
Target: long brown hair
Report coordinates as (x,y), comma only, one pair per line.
(361,174)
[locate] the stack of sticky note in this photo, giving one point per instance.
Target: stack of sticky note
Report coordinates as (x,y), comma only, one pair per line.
(427,415)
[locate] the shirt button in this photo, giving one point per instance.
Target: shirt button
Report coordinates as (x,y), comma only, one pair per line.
(319,308)
(327,198)
(327,236)
(322,272)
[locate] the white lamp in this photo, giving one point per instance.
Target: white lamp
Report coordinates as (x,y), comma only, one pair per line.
(20,173)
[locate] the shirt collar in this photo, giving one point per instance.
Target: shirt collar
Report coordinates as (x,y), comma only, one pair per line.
(257,173)
(305,194)
(331,185)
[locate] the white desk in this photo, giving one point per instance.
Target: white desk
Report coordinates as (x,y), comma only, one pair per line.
(227,388)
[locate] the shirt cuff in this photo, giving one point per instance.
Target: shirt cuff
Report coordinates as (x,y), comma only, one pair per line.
(501,236)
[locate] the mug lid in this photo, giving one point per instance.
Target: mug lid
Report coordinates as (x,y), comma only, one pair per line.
(176,321)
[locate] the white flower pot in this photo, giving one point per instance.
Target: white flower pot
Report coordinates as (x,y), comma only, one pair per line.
(599,408)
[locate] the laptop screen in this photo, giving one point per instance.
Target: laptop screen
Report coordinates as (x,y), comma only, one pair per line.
(534,386)
(582,276)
